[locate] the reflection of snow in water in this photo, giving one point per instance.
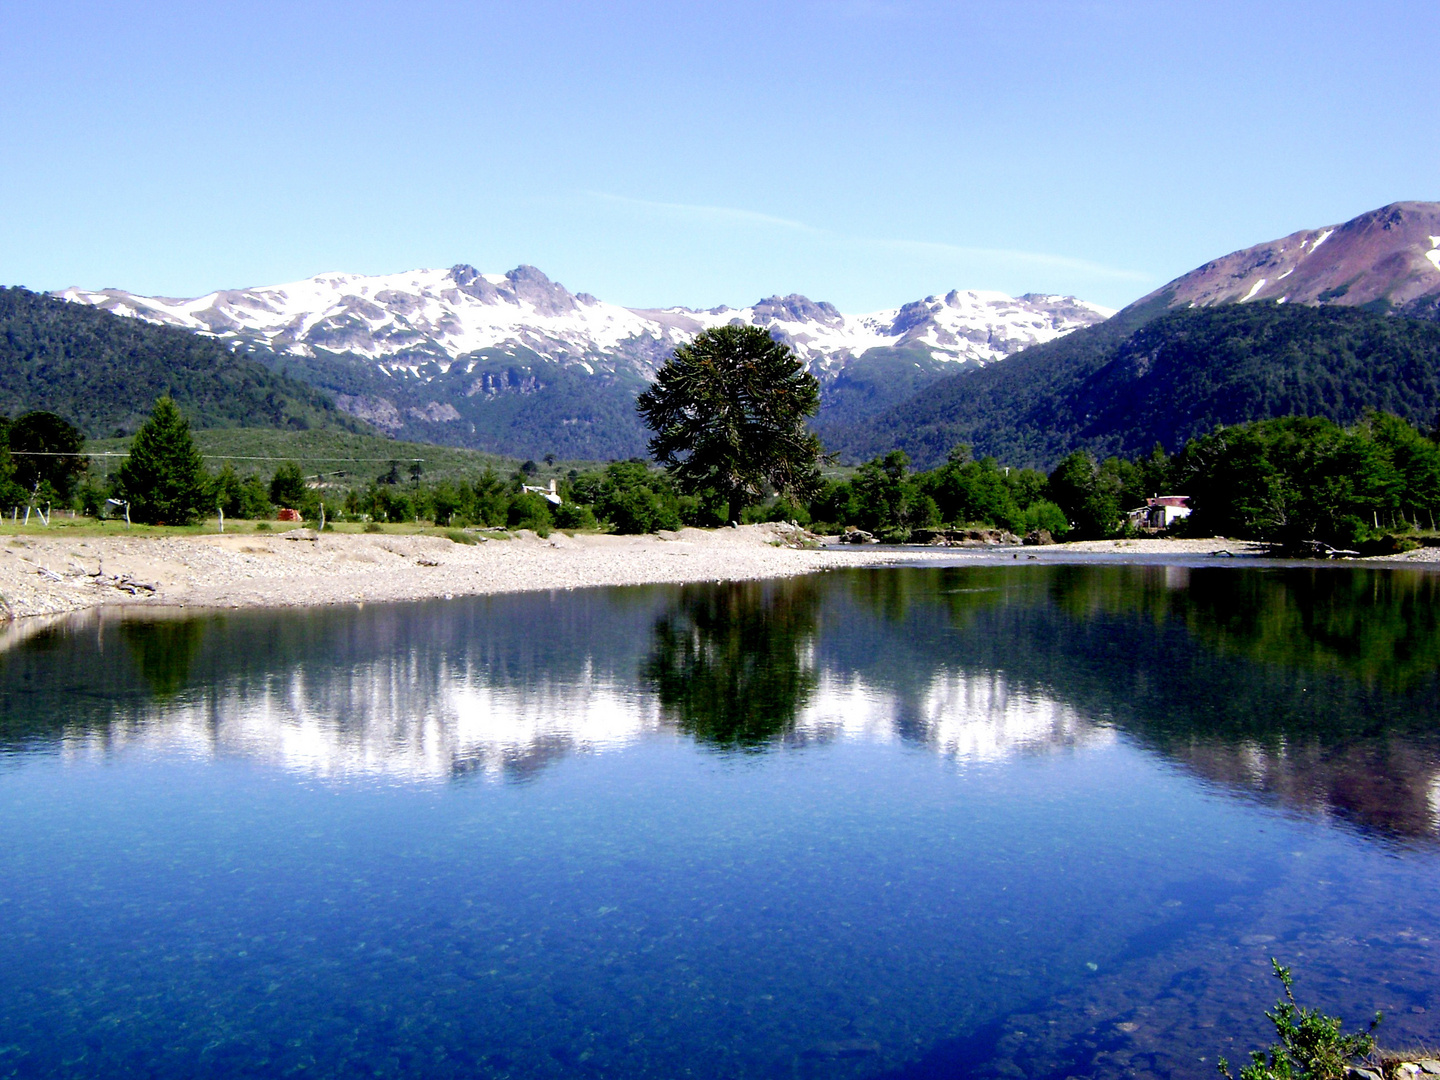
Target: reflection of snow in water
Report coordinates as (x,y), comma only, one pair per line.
(386,719)
(400,720)
(968,716)
(1253,762)
(1435,804)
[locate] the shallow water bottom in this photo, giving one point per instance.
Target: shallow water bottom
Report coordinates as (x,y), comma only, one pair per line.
(694,833)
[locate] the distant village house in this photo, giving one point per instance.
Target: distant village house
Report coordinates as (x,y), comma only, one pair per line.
(1160,512)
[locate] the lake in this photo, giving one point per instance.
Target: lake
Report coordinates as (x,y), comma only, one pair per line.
(1041,821)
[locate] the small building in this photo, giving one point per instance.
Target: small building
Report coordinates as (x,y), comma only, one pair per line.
(1160,512)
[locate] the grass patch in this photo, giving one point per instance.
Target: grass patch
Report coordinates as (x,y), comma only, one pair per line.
(344,458)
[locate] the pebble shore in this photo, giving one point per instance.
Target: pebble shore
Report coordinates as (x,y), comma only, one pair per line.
(45,575)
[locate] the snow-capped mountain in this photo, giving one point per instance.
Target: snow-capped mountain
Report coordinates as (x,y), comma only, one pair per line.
(401,320)
(517,363)
(1388,257)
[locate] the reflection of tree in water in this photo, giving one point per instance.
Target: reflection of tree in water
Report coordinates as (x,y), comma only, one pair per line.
(1318,688)
(1381,627)
(731,663)
(164,651)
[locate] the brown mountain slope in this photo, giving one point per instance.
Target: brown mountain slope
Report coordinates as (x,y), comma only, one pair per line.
(1389,258)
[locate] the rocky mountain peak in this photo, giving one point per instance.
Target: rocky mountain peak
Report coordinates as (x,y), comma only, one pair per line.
(548,297)
(796,308)
(407,321)
(463,273)
(1389,257)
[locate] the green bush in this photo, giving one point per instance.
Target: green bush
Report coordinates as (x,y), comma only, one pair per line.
(92,497)
(241,498)
(1045,515)
(777,510)
(1311,1045)
(530,511)
(1088,495)
(631,497)
(572,515)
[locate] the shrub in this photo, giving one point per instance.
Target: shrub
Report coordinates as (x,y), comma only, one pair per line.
(1311,1045)
(778,510)
(92,498)
(574,516)
(492,501)
(631,497)
(287,486)
(1045,515)
(530,511)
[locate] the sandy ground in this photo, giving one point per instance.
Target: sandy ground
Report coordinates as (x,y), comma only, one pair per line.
(42,576)
(50,576)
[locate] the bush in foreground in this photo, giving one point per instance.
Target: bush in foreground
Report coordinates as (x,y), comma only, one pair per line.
(1311,1046)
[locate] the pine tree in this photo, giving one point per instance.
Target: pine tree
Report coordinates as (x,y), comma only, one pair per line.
(164,476)
(728,411)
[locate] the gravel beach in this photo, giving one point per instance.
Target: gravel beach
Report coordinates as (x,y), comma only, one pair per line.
(43,575)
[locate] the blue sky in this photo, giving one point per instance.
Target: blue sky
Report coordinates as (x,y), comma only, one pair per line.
(866,152)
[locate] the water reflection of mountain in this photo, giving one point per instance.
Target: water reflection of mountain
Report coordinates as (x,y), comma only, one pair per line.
(498,685)
(1313,688)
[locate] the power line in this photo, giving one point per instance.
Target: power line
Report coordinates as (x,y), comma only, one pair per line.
(211,457)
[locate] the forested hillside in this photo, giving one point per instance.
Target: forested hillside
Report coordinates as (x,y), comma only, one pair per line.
(1138,380)
(508,400)
(103,372)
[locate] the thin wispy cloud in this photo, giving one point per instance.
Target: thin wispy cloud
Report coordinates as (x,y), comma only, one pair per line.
(1033,258)
(708,213)
(931,249)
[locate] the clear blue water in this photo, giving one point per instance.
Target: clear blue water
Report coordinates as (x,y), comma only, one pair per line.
(1009,821)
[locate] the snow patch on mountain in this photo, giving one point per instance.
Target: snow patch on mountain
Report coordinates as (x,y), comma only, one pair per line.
(426,320)
(1384,258)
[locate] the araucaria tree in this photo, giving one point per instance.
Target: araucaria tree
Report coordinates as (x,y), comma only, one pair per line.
(728,411)
(164,477)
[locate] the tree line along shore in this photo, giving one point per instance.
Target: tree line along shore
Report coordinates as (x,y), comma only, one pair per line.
(729,412)
(1374,486)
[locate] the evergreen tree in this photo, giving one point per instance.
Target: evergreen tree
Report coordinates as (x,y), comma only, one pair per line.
(728,411)
(11,493)
(287,486)
(164,477)
(47,449)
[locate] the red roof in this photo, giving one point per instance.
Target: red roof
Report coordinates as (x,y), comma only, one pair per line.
(1169,500)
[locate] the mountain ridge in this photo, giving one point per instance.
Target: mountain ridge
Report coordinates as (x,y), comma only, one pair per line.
(103,374)
(516,363)
(1328,322)
(432,313)
(1387,259)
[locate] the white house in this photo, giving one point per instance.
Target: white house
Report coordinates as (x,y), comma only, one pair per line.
(1160,512)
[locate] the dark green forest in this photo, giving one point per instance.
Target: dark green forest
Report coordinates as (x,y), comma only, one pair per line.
(1152,376)
(506,400)
(103,373)
(1293,482)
